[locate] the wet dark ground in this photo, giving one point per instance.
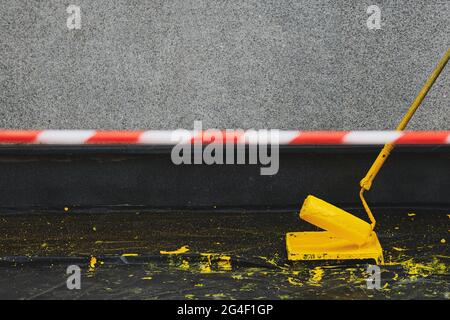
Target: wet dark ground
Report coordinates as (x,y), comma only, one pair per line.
(233,255)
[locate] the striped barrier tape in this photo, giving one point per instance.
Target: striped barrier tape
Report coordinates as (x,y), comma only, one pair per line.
(165,137)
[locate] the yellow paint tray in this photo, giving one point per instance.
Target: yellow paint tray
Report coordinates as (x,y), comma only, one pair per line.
(323,245)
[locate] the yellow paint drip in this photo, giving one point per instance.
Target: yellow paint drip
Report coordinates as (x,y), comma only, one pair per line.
(181,250)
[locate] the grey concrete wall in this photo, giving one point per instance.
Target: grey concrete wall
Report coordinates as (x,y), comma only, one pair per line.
(306,64)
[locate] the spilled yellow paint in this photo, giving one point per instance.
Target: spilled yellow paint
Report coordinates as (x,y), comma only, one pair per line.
(130,254)
(224,263)
(92,263)
(272,261)
(216,295)
(316,276)
(416,270)
(205,263)
(181,250)
(295,282)
(208,259)
(184,265)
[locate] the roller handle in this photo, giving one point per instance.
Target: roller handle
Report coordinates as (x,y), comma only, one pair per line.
(366,182)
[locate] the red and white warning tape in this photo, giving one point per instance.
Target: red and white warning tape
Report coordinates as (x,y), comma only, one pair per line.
(158,137)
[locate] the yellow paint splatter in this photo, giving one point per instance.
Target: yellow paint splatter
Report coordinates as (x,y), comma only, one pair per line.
(395,278)
(411,214)
(295,282)
(442,241)
(130,254)
(207,259)
(272,261)
(224,263)
(416,270)
(205,268)
(398,249)
(184,265)
(316,276)
(92,263)
(218,295)
(199,285)
(205,263)
(181,250)
(189,296)
(147,278)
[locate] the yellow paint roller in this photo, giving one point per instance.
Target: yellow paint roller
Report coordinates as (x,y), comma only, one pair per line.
(347,236)
(339,222)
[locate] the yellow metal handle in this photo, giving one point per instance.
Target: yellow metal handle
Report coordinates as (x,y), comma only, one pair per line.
(366,182)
